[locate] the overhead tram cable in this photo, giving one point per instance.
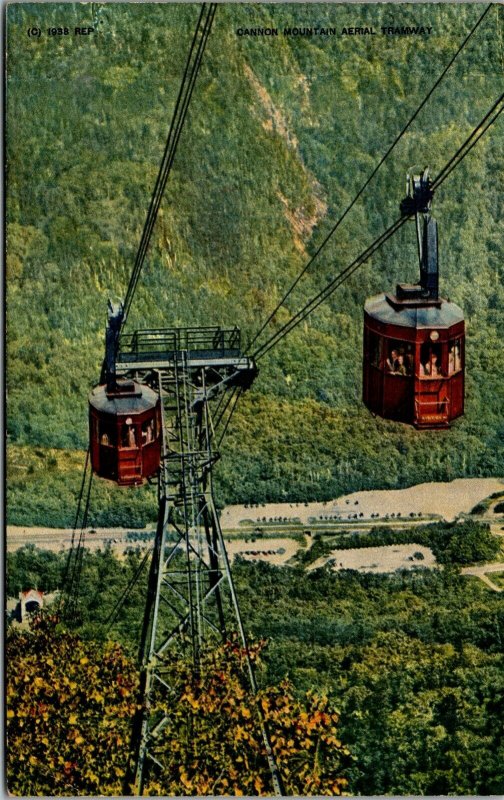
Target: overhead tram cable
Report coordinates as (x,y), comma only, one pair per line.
(112,617)
(71,552)
(76,555)
(197,49)
(228,421)
(468,145)
(490,117)
(371,176)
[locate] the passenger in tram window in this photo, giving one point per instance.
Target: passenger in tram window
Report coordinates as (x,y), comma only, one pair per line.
(432,367)
(128,436)
(456,357)
(426,368)
(401,368)
(105,439)
(408,361)
(392,362)
(451,361)
(430,361)
(148,432)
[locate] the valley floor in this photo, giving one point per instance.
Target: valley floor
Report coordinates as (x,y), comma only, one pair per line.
(276,532)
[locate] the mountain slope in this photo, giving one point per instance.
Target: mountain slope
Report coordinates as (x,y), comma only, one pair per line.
(280,135)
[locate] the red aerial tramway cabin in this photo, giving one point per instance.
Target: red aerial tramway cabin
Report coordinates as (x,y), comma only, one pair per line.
(124,420)
(125,415)
(414,354)
(125,428)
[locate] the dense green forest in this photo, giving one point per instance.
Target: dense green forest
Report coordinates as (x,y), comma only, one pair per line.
(412,661)
(280,135)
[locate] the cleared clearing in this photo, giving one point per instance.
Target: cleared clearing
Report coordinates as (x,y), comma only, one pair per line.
(443,500)
(387,558)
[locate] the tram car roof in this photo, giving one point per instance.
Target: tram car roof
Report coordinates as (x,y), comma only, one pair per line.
(388,309)
(130,398)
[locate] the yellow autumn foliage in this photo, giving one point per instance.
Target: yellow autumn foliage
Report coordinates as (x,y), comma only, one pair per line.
(51,686)
(71,703)
(213,744)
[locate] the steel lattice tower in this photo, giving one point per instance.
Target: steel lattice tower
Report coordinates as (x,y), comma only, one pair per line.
(191,599)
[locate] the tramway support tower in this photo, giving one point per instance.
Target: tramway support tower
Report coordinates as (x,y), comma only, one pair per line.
(189,379)
(413,367)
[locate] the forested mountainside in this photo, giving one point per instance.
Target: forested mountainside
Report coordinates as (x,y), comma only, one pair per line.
(281,133)
(413,662)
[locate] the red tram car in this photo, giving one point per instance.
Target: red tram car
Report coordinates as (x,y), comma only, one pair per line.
(414,341)
(125,431)
(414,360)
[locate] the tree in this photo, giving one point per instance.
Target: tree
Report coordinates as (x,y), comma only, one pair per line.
(70,706)
(213,742)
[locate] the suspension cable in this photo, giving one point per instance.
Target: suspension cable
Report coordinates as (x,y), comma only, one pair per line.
(109,621)
(371,176)
(329,288)
(233,408)
(150,213)
(74,531)
(468,145)
(179,116)
(309,307)
(171,146)
(74,580)
(167,167)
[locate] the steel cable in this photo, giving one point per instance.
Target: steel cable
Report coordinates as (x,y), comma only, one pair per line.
(74,583)
(312,304)
(119,604)
(168,156)
(65,589)
(371,176)
(175,130)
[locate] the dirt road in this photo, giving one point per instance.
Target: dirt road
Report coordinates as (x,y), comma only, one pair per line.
(482,571)
(56,539)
